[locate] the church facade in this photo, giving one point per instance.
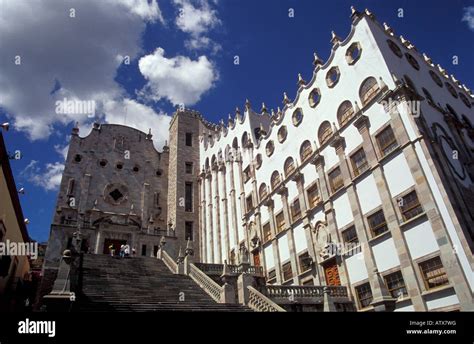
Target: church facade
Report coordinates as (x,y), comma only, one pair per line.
(363,180)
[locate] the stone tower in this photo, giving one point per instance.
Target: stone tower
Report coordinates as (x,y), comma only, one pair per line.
(186,127)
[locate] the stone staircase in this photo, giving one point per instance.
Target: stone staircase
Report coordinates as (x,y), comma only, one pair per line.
(140,284)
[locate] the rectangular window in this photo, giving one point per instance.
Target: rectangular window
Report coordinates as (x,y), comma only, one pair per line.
(386,141)
(350,236)
(335,180)
(271,277)
(144,250)
(309,282)
(267,232)
(410,206)
(249,203)
(396,284)
(313,196)
(189,168)
(364,295)
(295,210)
(287,272)
(188,197)
(377,223)
(189,139)
(433,272)
(304,261)
(359,162)
(247,174)
(188,228)
(280,222)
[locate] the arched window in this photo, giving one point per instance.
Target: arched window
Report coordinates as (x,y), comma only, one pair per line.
(289,166)
(245,140)
(324,132)
(275,180)
(314,97)
(368,90)
(465,100)
(213,162)
(297,117)
(410,83)
(306,150)
(451,89)
(262,191)
(345,112)
(269,148)
(353,53)
(258,161)
(206,164)
(436,78)
(332,76)
(282,133)
(413,62)
(428,96)
(394,47)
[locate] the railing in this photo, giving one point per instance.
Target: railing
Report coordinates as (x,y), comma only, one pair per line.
(304,291)
(205,282)
(169,262)
(217,269)
(260,303)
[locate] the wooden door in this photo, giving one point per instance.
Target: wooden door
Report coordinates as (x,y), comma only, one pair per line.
(331,273)
(256,258)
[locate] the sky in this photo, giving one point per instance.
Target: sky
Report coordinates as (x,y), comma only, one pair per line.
(137,60)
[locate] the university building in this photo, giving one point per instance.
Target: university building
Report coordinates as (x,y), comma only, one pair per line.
(359,188)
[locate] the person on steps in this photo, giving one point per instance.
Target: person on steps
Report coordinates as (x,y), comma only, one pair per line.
(112,250)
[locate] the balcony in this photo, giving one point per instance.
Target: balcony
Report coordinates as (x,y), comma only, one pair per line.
(304,294)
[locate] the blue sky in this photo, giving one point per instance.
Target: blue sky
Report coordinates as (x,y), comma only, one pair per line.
(182,51)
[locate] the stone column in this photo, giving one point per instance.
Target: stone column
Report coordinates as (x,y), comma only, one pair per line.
(242,195)
(225,216)
(217,227)
(380,293)
(203,228)
(144,202)
(274,241)
(233,201)
(406,264)
(210,238)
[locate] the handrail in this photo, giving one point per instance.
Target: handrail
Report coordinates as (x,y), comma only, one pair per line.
(169,262)
(205,282)
(285,291)
(217,269)
(260,303)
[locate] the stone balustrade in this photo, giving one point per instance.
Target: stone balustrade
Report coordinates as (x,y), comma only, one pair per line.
(217,269)
(260,303)
(205,282)
(305,292)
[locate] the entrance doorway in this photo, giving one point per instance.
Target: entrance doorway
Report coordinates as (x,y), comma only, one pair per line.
(331,273)
(116,243)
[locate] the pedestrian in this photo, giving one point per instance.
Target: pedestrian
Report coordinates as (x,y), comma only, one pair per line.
(134,251)
(112,250)
(122,251)
(126,250)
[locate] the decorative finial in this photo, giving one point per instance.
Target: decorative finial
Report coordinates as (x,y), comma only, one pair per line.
(149,135)
(382,83)
(247,104)
(427,59)
(388,29)
(237,114)
(335,38)
(264,109)
(301,81)
(317,61)
(286,100)
(262,130)
(369,14)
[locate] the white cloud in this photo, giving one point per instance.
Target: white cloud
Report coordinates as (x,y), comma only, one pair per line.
(136,115)
(468,17)
(194,20)
(197,21)
(79,53)
(62,150)
(178,79)
(48,177)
